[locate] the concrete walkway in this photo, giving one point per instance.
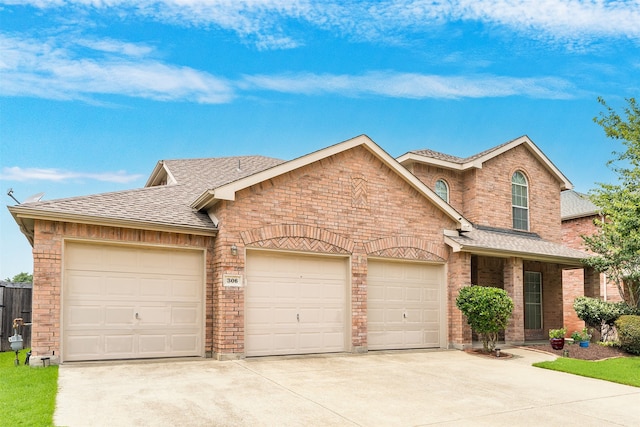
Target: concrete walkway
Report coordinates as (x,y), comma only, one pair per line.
(417,388)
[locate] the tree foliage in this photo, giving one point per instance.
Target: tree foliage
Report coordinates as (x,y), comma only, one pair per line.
(617,240)
(21,278)
(487,310)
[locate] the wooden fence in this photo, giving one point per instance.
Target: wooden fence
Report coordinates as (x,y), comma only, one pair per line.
(15,301)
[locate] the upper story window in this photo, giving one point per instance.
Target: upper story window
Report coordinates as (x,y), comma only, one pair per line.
(520,201)
(442,190)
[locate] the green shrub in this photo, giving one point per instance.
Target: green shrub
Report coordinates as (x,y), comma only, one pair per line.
(487,310)
(600,315)
(629,333)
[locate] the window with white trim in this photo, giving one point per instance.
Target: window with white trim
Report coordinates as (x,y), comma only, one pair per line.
(520,201)
(532,300)
(442,190)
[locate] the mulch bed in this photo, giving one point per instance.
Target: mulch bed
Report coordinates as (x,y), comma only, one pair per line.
(593,352)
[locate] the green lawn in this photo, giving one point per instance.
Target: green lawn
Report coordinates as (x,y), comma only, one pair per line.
(623,370)
(27,395)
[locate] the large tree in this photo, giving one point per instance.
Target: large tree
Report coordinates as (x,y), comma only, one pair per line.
(617,240)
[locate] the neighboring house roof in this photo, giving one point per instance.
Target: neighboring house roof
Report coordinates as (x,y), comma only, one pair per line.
(228,191)
(499,242)
(446,161)
(157,207)
(576,205)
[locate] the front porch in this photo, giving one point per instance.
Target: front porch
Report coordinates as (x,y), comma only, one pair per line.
(536,287)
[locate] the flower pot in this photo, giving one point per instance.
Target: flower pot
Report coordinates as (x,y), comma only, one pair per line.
(584,343)
(557,343)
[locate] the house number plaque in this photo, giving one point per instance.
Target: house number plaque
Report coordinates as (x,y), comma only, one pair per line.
(232,280)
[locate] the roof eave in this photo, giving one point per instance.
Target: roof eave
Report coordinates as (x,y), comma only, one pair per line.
(503,253)
(227,192)
(25,217)
(418,158)
(580,215)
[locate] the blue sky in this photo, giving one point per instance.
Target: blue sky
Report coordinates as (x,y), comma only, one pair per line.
(94,92)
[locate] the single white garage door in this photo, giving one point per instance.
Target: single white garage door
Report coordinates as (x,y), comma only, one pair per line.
(404,304)
(123,302)
(295,304)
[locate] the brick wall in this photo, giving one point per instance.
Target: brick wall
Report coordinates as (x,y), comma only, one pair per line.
(47,273)
(483,196)
(459,276)
(572,232)
(493,199)
(348,203)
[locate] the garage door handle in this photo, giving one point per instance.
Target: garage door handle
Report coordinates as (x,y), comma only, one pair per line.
(298,316)
(404,315)
(137,316)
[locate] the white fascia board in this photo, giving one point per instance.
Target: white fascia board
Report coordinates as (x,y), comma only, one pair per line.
(566,184)
(155,173)
(417,158)
(501,253)
(160,169)
(228,191)
(23,213)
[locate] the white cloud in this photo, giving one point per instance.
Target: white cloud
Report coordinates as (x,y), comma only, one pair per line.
(59,175)
(411,85)
(54,69)
(265,22)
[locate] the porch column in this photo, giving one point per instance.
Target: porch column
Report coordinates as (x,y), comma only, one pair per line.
(514,286)
(459,276)
(591,283)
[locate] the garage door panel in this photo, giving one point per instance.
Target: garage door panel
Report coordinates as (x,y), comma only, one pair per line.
(119,286)
(152,344)
(184,316)
(409,315)
(154,287)
(187,343)
(118,344)
(294,304)
(118,316)
(84,345)
(188,289)
(127,302)
(85,315)
(80,285)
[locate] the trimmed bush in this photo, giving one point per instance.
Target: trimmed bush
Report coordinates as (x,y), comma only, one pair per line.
(487,310)
(600,315)
(629,333)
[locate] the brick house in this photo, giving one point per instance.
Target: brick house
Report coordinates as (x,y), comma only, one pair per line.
(345,249)
(578,214)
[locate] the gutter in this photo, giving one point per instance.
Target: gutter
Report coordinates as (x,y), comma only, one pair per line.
(25,218)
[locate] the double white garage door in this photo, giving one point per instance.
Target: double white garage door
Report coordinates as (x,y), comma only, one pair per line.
(124,302)
(296,304)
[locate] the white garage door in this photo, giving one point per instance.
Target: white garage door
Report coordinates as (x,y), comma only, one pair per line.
(295,304)
(130,302)
(404,304)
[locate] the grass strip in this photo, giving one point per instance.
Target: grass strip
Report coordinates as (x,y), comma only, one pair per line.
(623,370)
(27,395)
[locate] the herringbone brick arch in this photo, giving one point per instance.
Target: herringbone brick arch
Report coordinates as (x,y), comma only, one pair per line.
(297,237)
(406,247)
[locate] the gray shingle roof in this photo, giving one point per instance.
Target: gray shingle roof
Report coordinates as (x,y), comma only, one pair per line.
(453,159)
(526,245)
(163,205)
(576,205)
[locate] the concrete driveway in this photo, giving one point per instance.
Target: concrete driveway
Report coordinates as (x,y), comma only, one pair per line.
(414,388)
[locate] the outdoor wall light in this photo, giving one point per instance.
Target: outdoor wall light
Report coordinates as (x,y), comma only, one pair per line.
(234,250)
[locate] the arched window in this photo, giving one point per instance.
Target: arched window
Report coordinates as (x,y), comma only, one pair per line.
(442,190)
(520,201)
